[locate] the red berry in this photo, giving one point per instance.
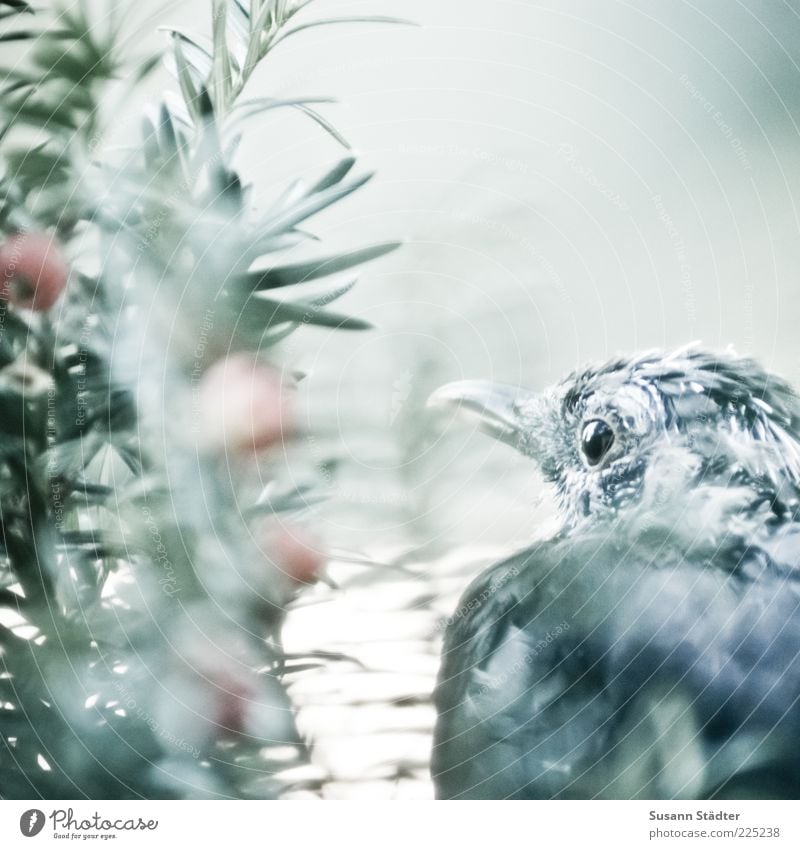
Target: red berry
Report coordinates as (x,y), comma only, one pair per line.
(34,271)
(209,688)
(296,554)
(244,405)
(232,698)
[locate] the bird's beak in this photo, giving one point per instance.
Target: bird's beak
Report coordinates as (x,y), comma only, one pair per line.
(496,406)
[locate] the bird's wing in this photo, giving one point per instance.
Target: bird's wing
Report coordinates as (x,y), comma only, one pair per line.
(602,666)
(520,715)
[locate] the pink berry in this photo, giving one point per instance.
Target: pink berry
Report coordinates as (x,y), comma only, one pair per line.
(231,703)
(209,689)
(244,405)
(34,271)
(297,554)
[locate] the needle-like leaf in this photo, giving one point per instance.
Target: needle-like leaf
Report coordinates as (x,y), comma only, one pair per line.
(188,89)
(269,312)
(362,19)
(313,204)
(301,272)
(222,82)
(324,123)
(335,175)
(197,53)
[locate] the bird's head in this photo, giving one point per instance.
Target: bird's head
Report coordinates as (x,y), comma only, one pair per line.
(649,427)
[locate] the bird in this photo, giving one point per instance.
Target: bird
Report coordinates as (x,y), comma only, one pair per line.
(650,647)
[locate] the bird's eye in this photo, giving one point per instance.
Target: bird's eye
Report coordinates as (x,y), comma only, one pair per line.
(597,438)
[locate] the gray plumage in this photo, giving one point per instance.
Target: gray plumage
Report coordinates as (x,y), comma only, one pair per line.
(651,648)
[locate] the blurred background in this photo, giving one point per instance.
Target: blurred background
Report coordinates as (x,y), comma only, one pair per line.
(572,179)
